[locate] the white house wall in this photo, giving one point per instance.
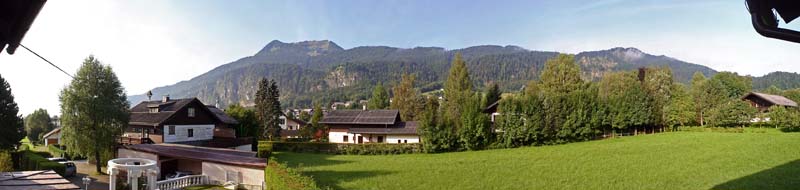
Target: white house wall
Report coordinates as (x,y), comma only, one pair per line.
(337,137)
(223,173)
(393,139)
(201,132)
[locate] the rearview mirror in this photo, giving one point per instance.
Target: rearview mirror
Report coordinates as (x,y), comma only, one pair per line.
(765,21)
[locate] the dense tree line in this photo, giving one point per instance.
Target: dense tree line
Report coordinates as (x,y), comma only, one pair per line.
(563,107)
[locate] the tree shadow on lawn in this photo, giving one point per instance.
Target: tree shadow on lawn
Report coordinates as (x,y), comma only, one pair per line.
(785,176)
(302,160)
(333,179)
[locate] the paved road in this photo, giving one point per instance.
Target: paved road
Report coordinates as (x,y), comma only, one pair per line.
(99,182)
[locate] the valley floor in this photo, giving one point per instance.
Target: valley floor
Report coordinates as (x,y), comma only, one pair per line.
(677,160)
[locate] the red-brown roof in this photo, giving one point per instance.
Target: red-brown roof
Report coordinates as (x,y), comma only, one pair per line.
(34,180)
(216,155)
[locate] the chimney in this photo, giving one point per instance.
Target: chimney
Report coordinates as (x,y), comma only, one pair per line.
(165,98)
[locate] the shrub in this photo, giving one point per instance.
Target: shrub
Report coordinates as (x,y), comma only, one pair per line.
(56,151)
(279,176)
(264,149)
(6,162)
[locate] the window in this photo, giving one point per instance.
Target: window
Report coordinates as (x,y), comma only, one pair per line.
(398,141)
(191,112)
(153,110)
(171,130)
(281,121)
(190,133)
(405,141)
(345,138)
(380,139)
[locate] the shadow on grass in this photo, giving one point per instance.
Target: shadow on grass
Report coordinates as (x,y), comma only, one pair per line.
(784,176)
(333,179)
(306,160)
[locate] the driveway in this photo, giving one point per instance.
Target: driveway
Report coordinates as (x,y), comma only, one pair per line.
(99,182)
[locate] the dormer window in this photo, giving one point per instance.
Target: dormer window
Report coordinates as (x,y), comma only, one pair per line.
(191,112)
(154,110)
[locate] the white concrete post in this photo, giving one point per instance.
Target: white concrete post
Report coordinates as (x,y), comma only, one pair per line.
(133,178)
(112,182)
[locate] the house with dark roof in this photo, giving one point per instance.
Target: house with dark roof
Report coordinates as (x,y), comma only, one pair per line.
(182,121)
(763,101)
(290,128)
(369,126)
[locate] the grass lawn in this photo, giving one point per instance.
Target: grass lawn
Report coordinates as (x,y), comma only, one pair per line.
(678,160)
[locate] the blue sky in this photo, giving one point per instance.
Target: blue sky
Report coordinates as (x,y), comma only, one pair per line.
(153,43)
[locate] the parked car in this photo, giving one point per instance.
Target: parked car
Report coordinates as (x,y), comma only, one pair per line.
(58,159)
(69,167)
(178,174)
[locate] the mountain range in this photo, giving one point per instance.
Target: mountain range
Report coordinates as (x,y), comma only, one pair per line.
(324,71)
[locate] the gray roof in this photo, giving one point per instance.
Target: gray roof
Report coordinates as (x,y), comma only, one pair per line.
(225,118)
(34,180)
(409,128)
(363,117)
(54,131)
(775,99)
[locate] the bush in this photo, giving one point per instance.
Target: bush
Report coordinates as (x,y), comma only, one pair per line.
(31,160)
(279,176)
(56,151)
(353,149)
(6,162)
(264,149)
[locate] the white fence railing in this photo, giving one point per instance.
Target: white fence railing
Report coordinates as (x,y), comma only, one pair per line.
(181,182)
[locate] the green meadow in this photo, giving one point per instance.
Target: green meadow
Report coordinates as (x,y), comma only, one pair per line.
(675,160)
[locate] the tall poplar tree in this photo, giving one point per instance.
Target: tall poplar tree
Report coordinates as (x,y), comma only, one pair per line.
(457,89)
(11,126)
(94,112)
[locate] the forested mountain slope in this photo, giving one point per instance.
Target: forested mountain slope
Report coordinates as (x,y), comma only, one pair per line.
(322,70)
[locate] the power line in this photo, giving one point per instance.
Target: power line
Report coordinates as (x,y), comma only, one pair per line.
(54,65)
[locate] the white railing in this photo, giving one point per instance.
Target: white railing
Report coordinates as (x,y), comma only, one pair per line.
(181,182)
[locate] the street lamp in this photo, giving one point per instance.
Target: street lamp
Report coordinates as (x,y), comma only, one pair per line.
(86,182)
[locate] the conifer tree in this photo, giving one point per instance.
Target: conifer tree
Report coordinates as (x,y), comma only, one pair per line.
(11,124)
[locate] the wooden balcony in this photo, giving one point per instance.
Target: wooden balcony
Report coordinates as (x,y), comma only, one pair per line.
(134,140)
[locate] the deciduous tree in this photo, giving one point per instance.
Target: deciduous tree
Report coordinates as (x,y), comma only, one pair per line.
(407,99)
(94,112)
(37,123)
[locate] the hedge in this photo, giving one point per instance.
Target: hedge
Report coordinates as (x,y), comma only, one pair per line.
(56,151)
(336,148)
(279,176)
(31,160)
(264,150)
